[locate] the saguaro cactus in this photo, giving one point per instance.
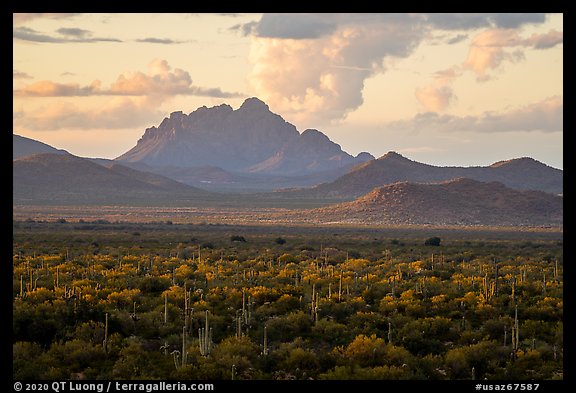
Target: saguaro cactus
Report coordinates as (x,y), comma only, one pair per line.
(133,315)
(165,309)
(340,288)
(205,338)
(488,288)
(497,268)
(515,332)
(57,280)
(187,308)
(176,355)
(184,345)
(265,349)
(164,348)
(555,268)
(314,304)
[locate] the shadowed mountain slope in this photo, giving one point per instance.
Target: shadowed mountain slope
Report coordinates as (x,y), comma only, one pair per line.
(521,174)
(251,139)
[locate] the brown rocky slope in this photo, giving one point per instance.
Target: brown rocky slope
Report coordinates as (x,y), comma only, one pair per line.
(457,202)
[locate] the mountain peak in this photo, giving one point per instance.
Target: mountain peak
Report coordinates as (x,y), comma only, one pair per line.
(364,156)
(516,161)
(249,139)
(176,115)
(253,104)
(392,155)
(520,173)
(314,135)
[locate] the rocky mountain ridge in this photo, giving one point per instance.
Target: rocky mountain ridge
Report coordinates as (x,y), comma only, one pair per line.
(250,139)
(520,173)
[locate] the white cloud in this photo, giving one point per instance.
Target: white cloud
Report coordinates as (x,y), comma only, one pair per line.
(488,50)
(136,97)
(435,97)
(321,79)
(491,47)
(161,80)
(439,94)
(312,67)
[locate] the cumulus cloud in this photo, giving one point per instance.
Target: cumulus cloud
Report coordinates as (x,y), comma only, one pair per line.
(294,26)
(318,74)
(543,116)
(491,47)
(545,41)
(160,80)
(439,94)
(435,97)
(136,97)
(312,67)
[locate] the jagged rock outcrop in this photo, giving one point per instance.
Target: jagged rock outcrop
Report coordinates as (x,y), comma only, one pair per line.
(251,139)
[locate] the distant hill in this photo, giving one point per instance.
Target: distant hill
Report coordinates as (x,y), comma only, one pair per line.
(57,178)
(22,147)
(521,174)
(250,139)
(457,202)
